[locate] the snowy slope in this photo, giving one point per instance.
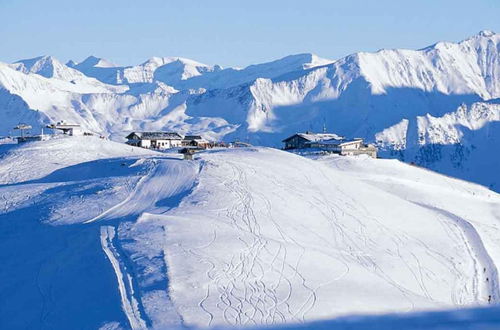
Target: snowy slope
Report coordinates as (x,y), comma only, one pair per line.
(244,236)
(459,143)
(378,96)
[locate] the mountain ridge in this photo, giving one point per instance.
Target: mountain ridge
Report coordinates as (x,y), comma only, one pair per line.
(362,94)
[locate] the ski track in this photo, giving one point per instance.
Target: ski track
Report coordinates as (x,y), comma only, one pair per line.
(486,273)
(245,293)
(262,306)
(161,179)
(130,304)
(485,280)
(132,197)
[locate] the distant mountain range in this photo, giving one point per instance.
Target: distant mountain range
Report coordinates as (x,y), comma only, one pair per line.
(437,107)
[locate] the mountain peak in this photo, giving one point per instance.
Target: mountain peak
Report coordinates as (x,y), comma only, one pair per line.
(71,63)
(37,60)
(486,33)
(42,65)
(97,62)
(48,67)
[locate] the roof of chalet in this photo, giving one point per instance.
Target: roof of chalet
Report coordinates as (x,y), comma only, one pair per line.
(193,137)
(314,137)
(155,135)
(336,142)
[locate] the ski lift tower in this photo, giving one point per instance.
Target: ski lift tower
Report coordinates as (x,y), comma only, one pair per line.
(23,128)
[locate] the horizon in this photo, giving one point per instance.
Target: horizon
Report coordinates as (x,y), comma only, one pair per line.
(111,61)
(229,34)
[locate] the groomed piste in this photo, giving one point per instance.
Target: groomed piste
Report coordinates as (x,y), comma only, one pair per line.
(102,234)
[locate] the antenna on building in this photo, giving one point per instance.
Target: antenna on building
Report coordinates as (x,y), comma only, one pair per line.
(324,125)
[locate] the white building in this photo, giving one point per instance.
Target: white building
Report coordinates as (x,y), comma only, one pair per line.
(154,140)
(195,141)
(328,142)
(66,128)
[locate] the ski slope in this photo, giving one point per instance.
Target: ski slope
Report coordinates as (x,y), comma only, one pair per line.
(109,236)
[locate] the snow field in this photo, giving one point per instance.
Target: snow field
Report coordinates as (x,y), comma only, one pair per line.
(254,236)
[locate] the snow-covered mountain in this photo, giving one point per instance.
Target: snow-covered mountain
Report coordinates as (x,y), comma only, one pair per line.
(110,236)
(49,67)
(170,70)
(459,143)
(372,95)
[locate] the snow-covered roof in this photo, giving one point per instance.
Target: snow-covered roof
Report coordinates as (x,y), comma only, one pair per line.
(155,135)
(313,137)
(335,141)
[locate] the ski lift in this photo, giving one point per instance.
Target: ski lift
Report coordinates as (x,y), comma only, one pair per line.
(23,127)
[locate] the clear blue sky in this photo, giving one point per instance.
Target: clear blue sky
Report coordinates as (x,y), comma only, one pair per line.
(232,32)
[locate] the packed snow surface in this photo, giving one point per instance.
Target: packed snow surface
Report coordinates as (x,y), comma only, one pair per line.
(110,235)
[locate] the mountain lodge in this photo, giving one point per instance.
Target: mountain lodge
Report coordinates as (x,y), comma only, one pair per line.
(329,142)
(154,140)
(195,141)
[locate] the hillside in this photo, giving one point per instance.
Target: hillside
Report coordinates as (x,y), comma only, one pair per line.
(107,234)
(459,143)
(370,95)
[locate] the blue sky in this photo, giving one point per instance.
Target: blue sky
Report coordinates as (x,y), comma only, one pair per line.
(232,32)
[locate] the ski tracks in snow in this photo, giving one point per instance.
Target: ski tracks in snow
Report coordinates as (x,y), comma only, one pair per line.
(256,284)
(130,303)
(262,283)
(485,284)
(162,179)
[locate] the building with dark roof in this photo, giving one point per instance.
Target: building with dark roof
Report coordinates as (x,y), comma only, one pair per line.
(195,141)
(154,140)
(328,142)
